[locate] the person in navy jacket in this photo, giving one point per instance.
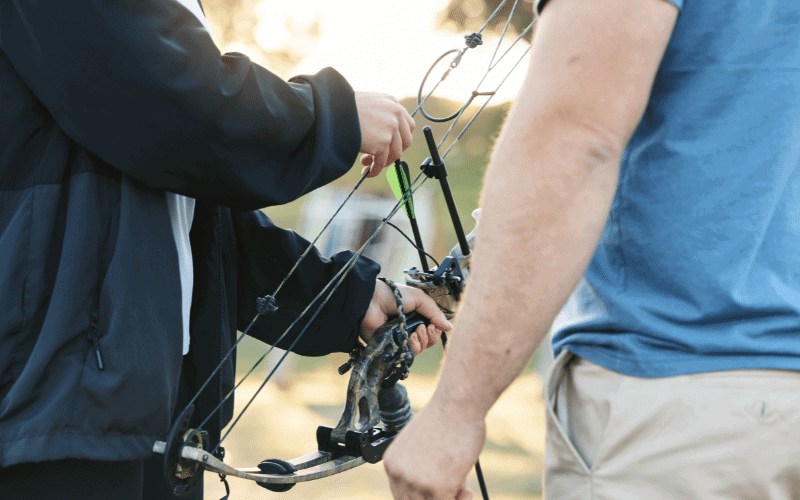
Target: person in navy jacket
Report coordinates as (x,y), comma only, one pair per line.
(125,135)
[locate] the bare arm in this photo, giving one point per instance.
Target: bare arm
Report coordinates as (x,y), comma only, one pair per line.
(546,198)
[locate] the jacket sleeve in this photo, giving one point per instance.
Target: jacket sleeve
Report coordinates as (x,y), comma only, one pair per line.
(142,85)
(265,253)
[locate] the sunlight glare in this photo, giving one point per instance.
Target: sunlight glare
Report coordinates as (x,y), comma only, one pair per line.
(379,46)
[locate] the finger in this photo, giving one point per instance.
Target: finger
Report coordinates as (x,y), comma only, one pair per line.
(430,336)
(415,343)
(397,489)
(393,151)
(419,301)
(421,339)
(410,120)
(397,147)
(406,131)
(401,489)
(434,334)
(422,336)
(379,163)
(369,163)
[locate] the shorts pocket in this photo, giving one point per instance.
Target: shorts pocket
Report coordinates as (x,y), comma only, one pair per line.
(560,447)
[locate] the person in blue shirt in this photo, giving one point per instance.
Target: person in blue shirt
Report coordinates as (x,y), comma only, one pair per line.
(644,200)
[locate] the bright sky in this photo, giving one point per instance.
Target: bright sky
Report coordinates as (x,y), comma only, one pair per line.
(384,46)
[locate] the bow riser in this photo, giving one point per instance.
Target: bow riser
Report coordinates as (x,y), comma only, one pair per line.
(362,410)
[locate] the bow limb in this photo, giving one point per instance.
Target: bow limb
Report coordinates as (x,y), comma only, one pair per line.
(315,465)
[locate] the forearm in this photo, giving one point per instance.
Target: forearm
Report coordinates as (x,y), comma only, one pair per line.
(545,204)
(265,255)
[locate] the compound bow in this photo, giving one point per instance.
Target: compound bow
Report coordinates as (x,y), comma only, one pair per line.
(373,393)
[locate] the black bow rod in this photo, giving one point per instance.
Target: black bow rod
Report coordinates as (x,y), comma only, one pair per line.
(434,167)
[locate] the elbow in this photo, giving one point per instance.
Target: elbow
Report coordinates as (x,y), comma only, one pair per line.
(577,150)
(566,150)
(600,139)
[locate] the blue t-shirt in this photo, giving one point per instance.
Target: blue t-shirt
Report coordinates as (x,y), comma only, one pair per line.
(698,267)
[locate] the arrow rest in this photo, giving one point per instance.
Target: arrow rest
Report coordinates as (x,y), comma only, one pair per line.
(445,283)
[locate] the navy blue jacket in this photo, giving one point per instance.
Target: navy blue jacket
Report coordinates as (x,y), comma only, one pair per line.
(104,106)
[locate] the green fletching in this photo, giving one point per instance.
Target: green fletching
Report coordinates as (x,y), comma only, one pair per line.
(399,182)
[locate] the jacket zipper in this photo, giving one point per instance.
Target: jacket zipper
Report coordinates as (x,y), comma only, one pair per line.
(94,338)
(221,281)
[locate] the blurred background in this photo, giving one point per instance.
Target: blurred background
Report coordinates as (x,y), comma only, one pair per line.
(387,47)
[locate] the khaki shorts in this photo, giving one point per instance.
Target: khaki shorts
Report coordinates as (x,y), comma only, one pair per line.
(720,435)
